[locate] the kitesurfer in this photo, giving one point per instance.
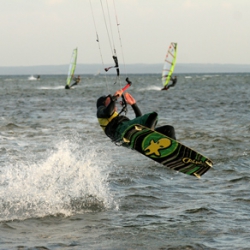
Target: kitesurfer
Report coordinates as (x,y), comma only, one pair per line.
(174,81)
(114,124)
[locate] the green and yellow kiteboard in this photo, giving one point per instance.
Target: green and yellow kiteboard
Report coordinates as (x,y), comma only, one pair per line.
(166,151)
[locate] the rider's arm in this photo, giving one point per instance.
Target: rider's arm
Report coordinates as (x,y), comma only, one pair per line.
(131,101)
(136,110)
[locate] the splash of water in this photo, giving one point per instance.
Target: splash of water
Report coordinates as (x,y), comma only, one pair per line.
(69,179)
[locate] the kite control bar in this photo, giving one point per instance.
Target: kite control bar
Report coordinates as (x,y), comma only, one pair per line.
(124,88)
(123,103)
(127,85)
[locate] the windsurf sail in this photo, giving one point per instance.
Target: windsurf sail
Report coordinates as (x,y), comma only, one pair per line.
(72,67)
(169,64)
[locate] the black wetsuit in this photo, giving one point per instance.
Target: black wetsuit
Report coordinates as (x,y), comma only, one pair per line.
(77,80)
(174,81)
(114,125)
(110,120)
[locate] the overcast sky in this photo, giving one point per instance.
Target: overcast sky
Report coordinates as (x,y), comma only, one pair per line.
(44,32)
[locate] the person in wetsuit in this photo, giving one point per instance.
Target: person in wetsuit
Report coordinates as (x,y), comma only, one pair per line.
(114,124)
(76,79)
(174,81)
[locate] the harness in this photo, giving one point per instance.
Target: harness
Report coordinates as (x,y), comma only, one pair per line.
(105,121)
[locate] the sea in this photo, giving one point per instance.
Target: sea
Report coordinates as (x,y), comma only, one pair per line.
(65,185)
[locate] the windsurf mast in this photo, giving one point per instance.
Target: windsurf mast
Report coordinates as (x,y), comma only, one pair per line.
(169,64)
(72,67)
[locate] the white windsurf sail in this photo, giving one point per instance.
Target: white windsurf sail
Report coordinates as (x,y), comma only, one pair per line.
(169,64)
(72,67)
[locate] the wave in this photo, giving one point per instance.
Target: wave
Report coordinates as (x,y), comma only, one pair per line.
(10,126)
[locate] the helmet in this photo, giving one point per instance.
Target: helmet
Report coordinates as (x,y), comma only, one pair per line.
(100,101)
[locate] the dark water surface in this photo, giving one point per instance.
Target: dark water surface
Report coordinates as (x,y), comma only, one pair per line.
(64,185)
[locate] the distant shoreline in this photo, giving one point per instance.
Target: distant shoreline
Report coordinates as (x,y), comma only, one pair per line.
(93,69)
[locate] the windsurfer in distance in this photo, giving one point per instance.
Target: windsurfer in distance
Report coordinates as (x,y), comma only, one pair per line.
(77,80)
(174,81)
(114,124)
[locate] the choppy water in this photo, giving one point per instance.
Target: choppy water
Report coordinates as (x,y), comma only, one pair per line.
(64,185)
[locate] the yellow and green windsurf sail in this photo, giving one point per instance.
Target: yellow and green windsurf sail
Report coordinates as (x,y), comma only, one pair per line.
(169,64)
(72,67)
